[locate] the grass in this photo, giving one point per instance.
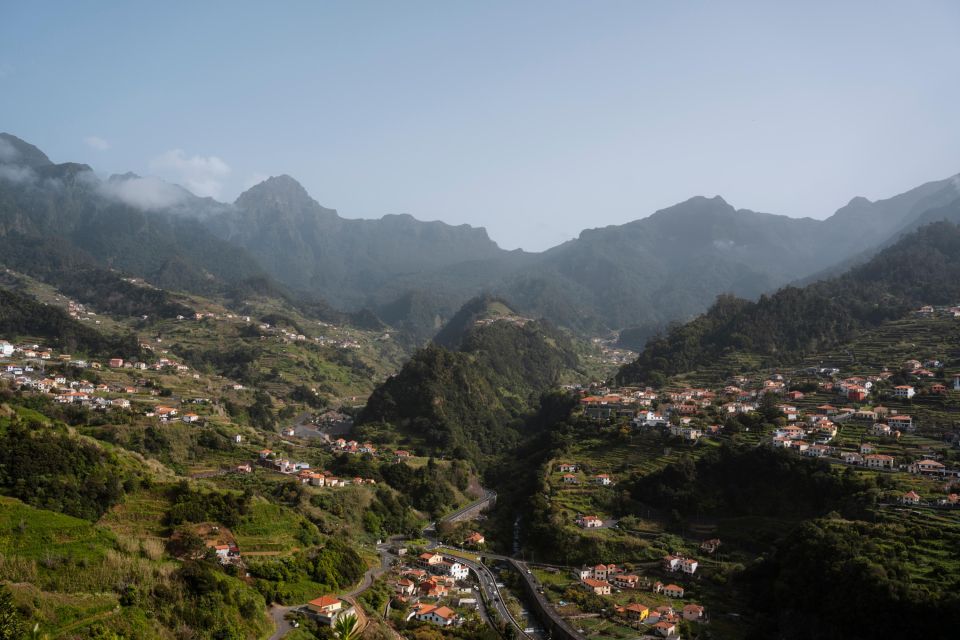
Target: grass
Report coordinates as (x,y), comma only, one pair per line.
(268,527)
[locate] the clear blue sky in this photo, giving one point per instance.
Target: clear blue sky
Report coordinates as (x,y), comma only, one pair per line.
(533,119)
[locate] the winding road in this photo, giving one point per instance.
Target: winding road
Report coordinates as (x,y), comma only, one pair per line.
(485,577)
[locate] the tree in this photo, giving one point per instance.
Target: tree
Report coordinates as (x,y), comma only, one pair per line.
(11,624)
(345,628)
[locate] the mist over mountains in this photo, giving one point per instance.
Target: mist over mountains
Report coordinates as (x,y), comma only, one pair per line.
(414,275)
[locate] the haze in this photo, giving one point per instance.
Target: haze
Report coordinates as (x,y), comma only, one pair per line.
(533,120)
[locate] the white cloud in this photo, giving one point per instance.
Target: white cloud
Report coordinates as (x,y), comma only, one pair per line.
(16,173)
(144,193)
(96,142)
(8,152)
(201,175)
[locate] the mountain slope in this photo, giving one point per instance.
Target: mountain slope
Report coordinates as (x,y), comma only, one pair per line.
(922,268)
(470,403)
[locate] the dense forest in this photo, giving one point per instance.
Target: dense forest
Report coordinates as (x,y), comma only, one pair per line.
(48,468)
(471,402)
(22,315)
(835,578)
(922,268)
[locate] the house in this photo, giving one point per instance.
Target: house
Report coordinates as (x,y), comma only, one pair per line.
(689,565)
(625,581)
(904,391)
(665,629)
(566,467)
(475,539)
(856,394)
(190,418)
(878,461)
(851,457)
(938,389)
(602,479)
(692,612)
(115,363)
(710,546)
(326,609)
(589,522)
(443,616)
(795,395)
(636,612)
(910,497)
(866,447)
(599,572)
(569,478)
(405,587)
(900,422)
(455,570)
(599,587)
(428,559)
(673,591)
(880,429)
(927,467)
(672,563)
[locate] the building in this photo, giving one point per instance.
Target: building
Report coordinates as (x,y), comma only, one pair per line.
(910,497)
(692,612)
(904,391)
(589,522)
(625,581)
(899,422)
(636,612)
(673,591)
(878,461)
(443,616)
(927,467)
(326,609)
(599,587)
(475,539)
(602,479)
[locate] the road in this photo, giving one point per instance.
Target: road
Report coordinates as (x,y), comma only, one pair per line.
(485,577)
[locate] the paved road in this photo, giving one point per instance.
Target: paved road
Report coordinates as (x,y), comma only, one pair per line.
(277,612)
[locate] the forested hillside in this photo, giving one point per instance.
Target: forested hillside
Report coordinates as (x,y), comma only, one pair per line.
(471,402)
(922,268)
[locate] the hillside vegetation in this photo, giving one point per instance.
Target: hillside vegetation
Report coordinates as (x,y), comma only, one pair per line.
(923,268)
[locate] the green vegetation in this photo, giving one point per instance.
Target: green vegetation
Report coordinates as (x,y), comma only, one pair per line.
(794,322)
(471,403)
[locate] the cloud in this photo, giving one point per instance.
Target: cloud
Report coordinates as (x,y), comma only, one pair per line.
(201,175)
(16,173)
(96,142)
(143,193)
(8,152)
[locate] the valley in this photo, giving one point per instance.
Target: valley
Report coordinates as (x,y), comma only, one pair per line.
(470,444)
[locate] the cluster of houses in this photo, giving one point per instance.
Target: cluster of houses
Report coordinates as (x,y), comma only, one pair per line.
(271,460)
(429,581)
(663,620)
(930,311)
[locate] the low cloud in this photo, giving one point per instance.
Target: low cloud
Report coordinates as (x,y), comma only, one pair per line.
(16,173)
(203,175)
(9,171)
(8,152)
(96,142)
(148,194)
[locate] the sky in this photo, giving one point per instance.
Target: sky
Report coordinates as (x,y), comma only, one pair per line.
(534,119)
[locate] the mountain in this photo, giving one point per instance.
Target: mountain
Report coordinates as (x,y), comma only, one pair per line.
(642,274)
(922,268)
(355,263)
(470,401)
(415,275)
